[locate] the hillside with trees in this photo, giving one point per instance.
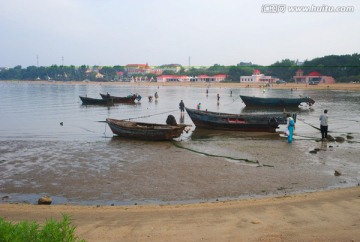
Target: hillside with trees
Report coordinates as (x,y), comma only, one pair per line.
(344,68)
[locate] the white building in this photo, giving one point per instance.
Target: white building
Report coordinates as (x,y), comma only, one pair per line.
(257,77)
(173,78)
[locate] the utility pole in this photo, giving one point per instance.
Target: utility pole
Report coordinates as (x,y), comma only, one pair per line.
(37,69)
(189,63)
(62,60)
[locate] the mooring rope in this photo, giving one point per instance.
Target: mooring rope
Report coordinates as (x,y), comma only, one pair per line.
(233,101)
(309,124)
(219,156)
(146,116)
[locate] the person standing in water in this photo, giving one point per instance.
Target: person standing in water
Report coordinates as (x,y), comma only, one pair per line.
(324,124)
(182,106)
(290,127)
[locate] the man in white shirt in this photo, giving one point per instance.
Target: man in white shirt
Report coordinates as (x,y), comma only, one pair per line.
(324,124)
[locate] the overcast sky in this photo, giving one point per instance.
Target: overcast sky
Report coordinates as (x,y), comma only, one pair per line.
(120,32)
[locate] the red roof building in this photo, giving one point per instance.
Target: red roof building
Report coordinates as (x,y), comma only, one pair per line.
(314,73)
(313,77)
(256,72)
(206,78)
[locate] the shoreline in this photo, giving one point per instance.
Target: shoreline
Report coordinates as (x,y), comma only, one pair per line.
(295,86)
(317,216)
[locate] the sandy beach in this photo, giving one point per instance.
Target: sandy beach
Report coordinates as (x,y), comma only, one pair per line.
(331,215)
(321,216)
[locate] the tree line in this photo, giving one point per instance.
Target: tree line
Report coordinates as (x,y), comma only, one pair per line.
(344,68)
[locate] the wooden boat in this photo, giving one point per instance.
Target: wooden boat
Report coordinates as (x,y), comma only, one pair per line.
(128,99)
(276,101)
(145,131)
(240,122)
(96,101)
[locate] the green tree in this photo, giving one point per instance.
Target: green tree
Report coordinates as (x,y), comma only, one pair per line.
(235,72)
(108,72)
(337,66)
(81,73)
(284,69)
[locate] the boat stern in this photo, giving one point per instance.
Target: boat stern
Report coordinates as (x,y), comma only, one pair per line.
(310,101)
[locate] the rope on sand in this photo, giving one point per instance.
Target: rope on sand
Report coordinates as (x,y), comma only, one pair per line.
(176,144)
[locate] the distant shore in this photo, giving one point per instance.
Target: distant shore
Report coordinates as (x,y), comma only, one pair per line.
(295,86)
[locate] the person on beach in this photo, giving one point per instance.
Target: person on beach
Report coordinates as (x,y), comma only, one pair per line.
(218,97)
(324,124)
(182,106)
(199,106)
(156,95)
(290,126)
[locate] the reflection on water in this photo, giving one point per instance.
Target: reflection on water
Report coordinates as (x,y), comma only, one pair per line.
(182,118)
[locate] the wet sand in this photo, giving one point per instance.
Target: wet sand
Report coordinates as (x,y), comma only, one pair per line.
(124,172)
(288,213)
(321,216)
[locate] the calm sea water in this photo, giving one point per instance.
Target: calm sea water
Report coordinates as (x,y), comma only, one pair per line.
(34,111)
(40,156)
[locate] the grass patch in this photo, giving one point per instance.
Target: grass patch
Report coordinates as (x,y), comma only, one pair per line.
(30,231)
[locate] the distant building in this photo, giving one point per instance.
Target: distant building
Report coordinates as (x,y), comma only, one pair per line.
(245,64)
(173,78)
(200,78)
(312,78)
(99,75)
(171,67)
(257,77)
(132,69)
(206,78)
